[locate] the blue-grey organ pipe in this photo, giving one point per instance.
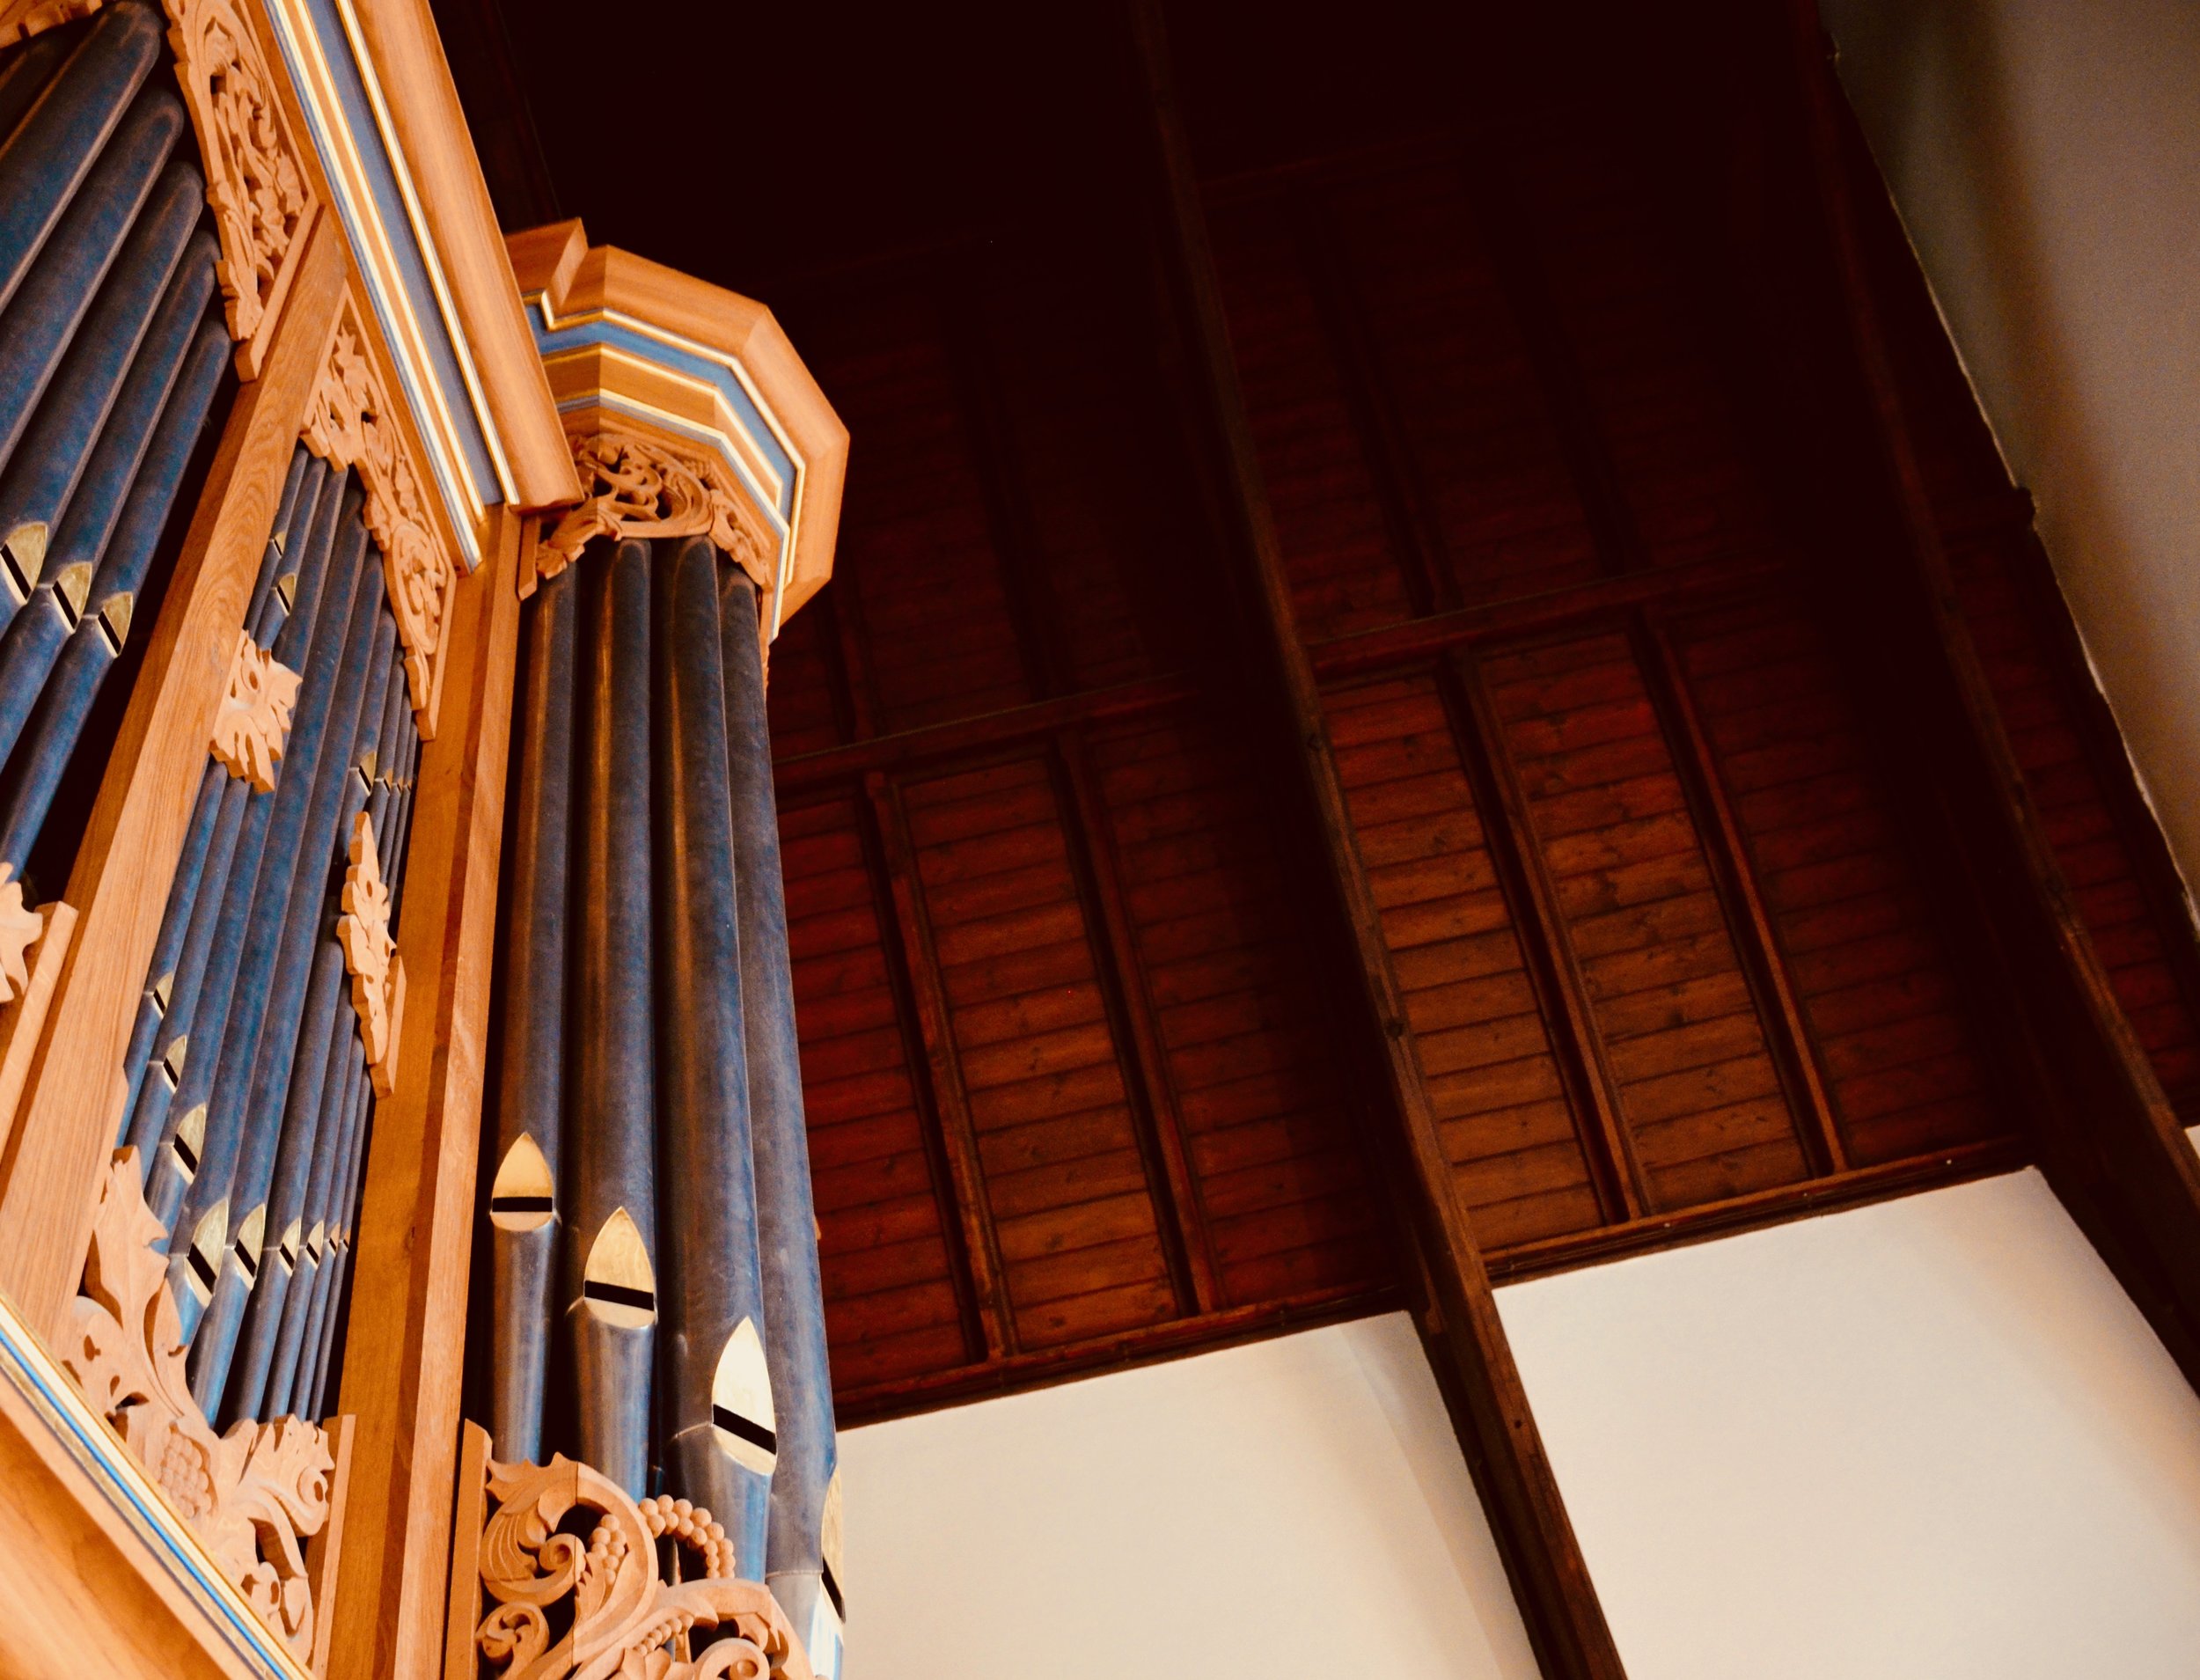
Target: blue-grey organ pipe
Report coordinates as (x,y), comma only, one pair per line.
(609,1263)
(801,1563)
(34,774)
(297,541)
(43,473)
(522,1212)
(44,160)
(210,1223)
(25,74)
(310,642)
(296,1325)
(41,322)
(79,572)
(183,889)
(328,1021)
(329,1297)
(305,1387)
(317,866)
(720,1435)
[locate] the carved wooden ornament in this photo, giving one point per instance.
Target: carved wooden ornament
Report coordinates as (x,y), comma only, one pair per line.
(378,976)
(254,724)
(20,927)
(643,486)
(251,1495)
(625,1618)
(261,197)
(20,19)
(350,423)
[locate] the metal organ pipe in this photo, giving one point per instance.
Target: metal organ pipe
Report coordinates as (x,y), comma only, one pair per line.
(664,1174)
(802,1564)
(299,541)
(42,319)
(44,160)
(522,1205)
(720,1433)
(608,1281)
(34,774)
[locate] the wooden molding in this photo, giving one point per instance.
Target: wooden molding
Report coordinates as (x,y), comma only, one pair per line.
(351,423)
(405,1332)
(454,199)
(575,283)
(263,199)
(254,1496)
(50,1169)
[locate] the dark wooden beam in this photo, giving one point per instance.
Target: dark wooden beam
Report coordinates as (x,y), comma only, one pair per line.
(1014,726)
(1497,1430)
(2106,1134)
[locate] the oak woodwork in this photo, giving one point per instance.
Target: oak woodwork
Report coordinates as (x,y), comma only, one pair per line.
(414,1246)
(23,1017)
(409,56)
(135,832)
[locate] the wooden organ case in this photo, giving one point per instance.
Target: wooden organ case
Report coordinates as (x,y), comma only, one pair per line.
(294,535)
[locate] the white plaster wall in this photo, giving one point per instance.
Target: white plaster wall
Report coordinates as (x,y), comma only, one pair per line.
(2045,155)
(1928,1440)
(1298,1506)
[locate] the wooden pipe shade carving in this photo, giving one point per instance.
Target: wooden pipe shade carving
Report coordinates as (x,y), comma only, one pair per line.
(20,927)
(643,486)
(260,194)
(253,1495)
(351,422)
(625,1617)
(254,724)
(377,973)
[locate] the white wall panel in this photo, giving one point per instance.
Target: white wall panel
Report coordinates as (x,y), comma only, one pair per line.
(1295,1507)
(1928,1440)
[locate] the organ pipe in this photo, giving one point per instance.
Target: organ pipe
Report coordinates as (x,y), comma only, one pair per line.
(522,1207)
(721,1430)
(798,1568)
(608,1281)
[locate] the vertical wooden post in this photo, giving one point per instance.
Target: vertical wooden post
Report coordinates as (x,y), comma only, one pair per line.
(404,1358)
(1490,1405)
(51,1168)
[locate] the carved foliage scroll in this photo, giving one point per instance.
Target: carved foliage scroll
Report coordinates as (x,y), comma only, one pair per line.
(252,1495)
(378,976)
(642,486)
(351,422)
(259,192)
(588,1601)
(254,724)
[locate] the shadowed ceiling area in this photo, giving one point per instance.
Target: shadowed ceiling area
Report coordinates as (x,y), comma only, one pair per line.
(1525,316)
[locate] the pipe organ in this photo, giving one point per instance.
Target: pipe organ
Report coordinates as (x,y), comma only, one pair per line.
(389,884)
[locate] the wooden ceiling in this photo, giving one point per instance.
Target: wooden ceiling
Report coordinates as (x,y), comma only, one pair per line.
(1675,958)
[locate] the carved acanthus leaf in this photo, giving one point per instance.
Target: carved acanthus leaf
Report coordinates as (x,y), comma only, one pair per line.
(350,423)
(622,1617)
(20,19)
(254,724)
(378,977)
(20,927)
(259,192)
(643,486)
(252,1495)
